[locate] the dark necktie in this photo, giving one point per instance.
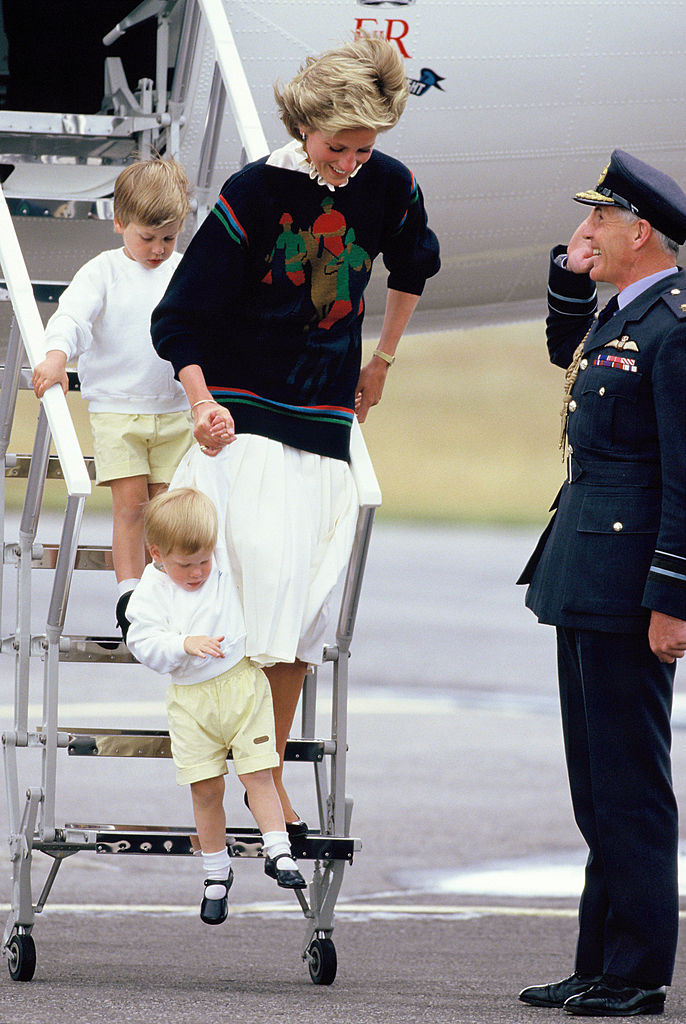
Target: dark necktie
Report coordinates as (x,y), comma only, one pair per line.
(607,311)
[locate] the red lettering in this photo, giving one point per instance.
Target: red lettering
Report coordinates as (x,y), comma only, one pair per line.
(360,29)
(405,28)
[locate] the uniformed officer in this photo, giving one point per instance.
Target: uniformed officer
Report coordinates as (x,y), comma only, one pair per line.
(610,574)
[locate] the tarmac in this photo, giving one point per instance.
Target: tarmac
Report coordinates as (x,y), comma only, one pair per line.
(466,886)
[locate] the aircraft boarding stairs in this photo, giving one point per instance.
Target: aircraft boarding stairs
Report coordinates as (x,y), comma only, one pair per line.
(32,816)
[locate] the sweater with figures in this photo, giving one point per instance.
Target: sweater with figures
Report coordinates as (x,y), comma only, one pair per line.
(268,298)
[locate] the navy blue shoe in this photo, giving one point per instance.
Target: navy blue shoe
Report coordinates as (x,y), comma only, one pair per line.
(120,613)
(286,878)
(216,911)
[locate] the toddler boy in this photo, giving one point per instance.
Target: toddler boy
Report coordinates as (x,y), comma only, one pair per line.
(184,614)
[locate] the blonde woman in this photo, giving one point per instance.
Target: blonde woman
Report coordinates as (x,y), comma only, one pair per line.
(262,323)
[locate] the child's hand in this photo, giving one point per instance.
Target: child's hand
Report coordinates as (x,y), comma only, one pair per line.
(52,370)
(201,646)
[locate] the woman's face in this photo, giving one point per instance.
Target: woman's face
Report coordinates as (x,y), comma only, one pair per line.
(337,156)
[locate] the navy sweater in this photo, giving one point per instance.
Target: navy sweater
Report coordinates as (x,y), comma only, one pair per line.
(268,298)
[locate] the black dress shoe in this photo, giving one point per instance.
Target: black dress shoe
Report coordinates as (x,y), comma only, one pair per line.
(216,911)
(296,829)
(615,997)
(286,877)
(120,613)
(558,992)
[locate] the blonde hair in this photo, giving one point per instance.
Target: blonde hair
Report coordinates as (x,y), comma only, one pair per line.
(151,193)
(183,520)
(359,85)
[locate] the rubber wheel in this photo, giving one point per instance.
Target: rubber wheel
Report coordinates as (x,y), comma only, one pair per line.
(21,958)
(323,962)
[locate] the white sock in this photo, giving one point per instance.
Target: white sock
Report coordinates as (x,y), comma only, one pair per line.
(276,843)
(216,865)
(126,586)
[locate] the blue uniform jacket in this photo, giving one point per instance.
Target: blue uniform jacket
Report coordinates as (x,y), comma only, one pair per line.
(616,545)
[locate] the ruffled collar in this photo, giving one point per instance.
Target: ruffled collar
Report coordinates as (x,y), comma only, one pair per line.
(293,157)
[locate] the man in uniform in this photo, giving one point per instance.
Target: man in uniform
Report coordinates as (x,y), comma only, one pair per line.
(610,574)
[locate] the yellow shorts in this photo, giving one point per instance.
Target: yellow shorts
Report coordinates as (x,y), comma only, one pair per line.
(232,712)
(139,444)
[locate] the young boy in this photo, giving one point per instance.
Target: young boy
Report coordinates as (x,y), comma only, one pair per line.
(184,614)
(139,414)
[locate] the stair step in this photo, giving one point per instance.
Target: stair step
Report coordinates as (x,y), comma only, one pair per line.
(170,841)
(85,742)
(17,467)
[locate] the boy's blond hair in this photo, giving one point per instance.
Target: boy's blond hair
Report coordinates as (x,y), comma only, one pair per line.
(151,193)
(183,520)
(359,85)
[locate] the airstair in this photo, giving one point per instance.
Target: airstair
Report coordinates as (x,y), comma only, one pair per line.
(88,152)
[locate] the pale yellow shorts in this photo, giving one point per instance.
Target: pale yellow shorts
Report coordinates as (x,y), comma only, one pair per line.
(232,712)
(139,444)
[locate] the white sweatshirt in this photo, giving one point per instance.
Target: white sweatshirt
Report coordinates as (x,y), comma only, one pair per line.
(103,317)
(163,614)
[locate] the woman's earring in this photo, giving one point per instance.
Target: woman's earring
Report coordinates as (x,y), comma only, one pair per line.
(303,136)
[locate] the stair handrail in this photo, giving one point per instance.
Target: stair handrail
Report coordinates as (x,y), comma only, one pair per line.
(233,76)
(30,325)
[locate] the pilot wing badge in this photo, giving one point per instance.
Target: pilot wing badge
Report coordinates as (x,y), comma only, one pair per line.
(624,344)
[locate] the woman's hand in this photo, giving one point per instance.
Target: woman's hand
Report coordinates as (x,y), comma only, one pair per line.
(370,386)
(213,427)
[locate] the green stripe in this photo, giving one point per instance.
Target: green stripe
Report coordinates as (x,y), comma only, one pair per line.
(341,420)
(218,213)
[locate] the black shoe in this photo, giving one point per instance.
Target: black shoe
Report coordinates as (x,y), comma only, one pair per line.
(558,992)
(216,911)
(615,997)
(286,878)
(120,613)
(296,829)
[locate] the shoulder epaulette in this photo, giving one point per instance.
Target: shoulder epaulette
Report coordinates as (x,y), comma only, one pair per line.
(676,300)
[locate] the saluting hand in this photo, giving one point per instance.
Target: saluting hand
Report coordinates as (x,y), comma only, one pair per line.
(580,258)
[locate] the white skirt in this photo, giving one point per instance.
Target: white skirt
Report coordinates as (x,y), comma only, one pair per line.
(287,520)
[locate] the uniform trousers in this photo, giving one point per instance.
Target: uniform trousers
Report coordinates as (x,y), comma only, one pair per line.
(616,699)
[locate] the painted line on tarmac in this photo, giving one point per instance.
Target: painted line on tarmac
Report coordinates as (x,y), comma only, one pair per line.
(371,911)
(280,910)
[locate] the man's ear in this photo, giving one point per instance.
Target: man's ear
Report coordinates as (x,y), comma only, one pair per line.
(642,231)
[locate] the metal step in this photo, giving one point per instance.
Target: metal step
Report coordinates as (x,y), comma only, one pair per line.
(183,841)
(84,742)
(17,467)
(44,556)
(108,649)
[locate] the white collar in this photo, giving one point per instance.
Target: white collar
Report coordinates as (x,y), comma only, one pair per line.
(292,157)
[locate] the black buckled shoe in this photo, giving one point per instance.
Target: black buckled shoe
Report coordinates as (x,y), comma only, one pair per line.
(120,613)
(558,992)
(615,997)
(216,911)
(286,877)
(296,829)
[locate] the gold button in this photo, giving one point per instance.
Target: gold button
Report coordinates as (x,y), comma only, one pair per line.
(583,364)
(572,405)
(601,392)
(675,291)
(618,527)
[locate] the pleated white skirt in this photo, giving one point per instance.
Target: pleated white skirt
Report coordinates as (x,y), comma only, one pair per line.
(286,526)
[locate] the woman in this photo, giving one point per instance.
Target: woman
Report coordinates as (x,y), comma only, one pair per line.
(262,323)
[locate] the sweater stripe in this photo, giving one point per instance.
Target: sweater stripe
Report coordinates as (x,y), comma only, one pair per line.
(230,221)
(312,413)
